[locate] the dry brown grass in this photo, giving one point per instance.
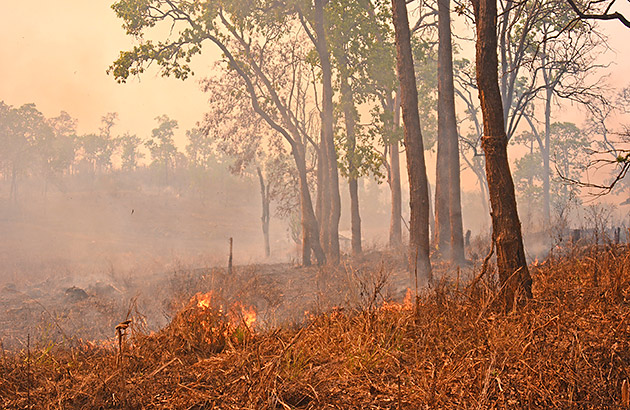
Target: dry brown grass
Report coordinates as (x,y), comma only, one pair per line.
(567,348)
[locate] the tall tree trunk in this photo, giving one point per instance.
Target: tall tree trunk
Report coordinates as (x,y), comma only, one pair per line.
(431,215)
(545,153)
(395,223)
(355,216)
(447,128)
(418,187)
(442,232)
(323,194)
(506,227)
(310,229)
(264,195)
(334,198)
(349,113)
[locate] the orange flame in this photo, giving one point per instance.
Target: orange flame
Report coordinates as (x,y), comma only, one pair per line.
(204,300)
(237,315)
(248,314)
(407,303)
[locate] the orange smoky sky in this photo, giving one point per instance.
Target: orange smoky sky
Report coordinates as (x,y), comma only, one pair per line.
(55,54)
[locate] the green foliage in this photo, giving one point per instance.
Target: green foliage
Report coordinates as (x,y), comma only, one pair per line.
(567,156)
(362,45)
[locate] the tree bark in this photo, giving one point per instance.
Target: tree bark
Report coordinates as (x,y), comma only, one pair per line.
(264,195)
(418,187)
(506,227)
(355,216)
(331,234)
(310,229)
(431,214)
(349,113)
(323,194)
(442,233)
(447,133)
(395,223)
(545,153)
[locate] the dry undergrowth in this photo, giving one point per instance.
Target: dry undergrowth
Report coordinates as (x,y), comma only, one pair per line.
(568,348)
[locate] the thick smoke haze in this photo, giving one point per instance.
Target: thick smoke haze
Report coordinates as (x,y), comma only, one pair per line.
(106,227)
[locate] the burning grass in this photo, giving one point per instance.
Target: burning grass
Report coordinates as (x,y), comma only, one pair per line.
(568,348)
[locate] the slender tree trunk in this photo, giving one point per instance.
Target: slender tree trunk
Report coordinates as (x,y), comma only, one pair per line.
(431,214)
(264,195)
(418,187)
(310,229)
(447,126)
(442,232)
(334,198)
(353,186)
(546,176)
(349,113)
(395,223)
(506,227)
(323,194)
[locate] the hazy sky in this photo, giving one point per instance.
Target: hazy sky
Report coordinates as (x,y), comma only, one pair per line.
(55,54)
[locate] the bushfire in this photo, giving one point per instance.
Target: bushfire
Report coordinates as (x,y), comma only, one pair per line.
(237,314)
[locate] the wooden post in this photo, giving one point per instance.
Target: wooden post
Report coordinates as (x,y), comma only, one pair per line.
(230,259)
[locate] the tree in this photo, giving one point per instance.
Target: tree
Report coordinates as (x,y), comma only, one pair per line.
(243,35)
(599,11)
(58,152)
(506,227)
(418,187)
(162,146)
(254,149)
(343,32)
(98,148)
(361,47)
(613,154)
(23,130)
(544,55)
(130,151)
(568,154)
(564,60)
(449,236)
(383,84)
(315,21)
